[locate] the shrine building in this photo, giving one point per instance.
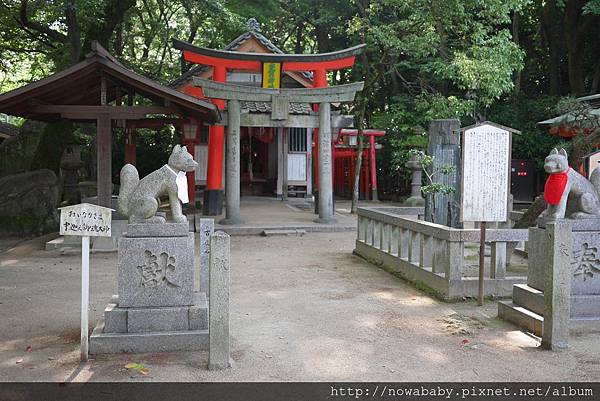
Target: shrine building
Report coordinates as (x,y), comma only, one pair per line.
(278,156)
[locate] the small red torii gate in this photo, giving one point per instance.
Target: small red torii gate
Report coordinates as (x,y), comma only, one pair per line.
(371,175)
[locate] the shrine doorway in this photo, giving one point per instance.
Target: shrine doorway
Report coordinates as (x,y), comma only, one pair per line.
(258,161)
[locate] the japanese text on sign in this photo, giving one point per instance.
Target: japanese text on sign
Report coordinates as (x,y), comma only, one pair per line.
(85,220)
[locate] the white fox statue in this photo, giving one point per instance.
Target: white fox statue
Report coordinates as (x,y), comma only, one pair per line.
(568,193)
(139,199)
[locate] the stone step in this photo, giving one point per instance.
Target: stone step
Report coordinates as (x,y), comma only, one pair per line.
(524,318)
(582,306)
(166,341)
(272,233)
(529,298)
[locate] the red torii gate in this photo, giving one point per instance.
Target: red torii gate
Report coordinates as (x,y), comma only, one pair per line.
(372,176)
(223,60)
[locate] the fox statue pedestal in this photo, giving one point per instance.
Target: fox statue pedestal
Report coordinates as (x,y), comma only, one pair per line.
(156,309)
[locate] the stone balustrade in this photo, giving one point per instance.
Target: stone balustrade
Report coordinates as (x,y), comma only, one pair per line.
(433,254)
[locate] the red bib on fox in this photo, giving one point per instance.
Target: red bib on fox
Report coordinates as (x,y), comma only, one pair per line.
(555,187)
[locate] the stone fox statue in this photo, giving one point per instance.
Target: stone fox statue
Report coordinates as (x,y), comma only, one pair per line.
(567,192)
(139,199)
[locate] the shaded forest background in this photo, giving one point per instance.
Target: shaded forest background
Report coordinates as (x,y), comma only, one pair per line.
(510,61)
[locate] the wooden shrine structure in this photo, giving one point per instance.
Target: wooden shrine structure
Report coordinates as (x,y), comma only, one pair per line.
(100,89)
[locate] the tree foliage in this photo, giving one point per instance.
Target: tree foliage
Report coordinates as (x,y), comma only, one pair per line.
(507,60)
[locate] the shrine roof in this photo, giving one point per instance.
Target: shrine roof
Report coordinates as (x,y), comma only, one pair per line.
(80,85)
(232,47)
(592,100)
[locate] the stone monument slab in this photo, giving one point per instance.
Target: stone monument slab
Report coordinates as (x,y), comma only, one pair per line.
(156,271)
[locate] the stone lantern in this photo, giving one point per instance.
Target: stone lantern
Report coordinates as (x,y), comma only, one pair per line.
(416,199)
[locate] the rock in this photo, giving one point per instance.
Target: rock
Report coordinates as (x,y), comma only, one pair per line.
(28,203)
(17,153)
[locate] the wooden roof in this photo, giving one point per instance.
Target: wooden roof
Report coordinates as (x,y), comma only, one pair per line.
(80,85)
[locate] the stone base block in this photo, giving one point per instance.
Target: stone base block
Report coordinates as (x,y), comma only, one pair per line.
(142,320)
(166,341)
(164,329)
(141,230)
(156,271)
(115,319)
(152,319)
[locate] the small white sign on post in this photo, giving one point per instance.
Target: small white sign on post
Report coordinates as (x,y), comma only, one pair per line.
(486,153)
(85,220)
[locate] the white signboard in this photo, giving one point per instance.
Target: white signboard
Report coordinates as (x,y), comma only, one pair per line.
(297,167)
(85,219)
(485,173)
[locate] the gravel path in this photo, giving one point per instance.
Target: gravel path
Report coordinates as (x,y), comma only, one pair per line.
(303,308)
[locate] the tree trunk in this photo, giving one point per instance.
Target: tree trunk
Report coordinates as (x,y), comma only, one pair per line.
(357,168)
(73,32)
(576,28)
(515,36)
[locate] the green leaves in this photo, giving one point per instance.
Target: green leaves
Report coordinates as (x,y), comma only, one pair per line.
(426,161)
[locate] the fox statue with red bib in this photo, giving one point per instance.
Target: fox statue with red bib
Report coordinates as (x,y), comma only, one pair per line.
(568,193)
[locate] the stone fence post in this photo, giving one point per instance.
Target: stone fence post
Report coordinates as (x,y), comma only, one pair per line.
(218,354)
(207,228)
(557,285)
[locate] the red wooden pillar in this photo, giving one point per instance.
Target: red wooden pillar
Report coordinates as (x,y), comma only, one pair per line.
(373,167)
(130,146)
(351,176)
(367,175)
(213,194)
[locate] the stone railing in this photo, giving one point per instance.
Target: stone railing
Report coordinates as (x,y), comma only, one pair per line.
(433,254)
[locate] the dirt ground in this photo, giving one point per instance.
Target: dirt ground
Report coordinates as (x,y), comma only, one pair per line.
(302,308)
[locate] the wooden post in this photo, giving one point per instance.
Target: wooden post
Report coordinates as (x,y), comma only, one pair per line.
(481,261)
(130,146)
(104,160)
(85,295)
